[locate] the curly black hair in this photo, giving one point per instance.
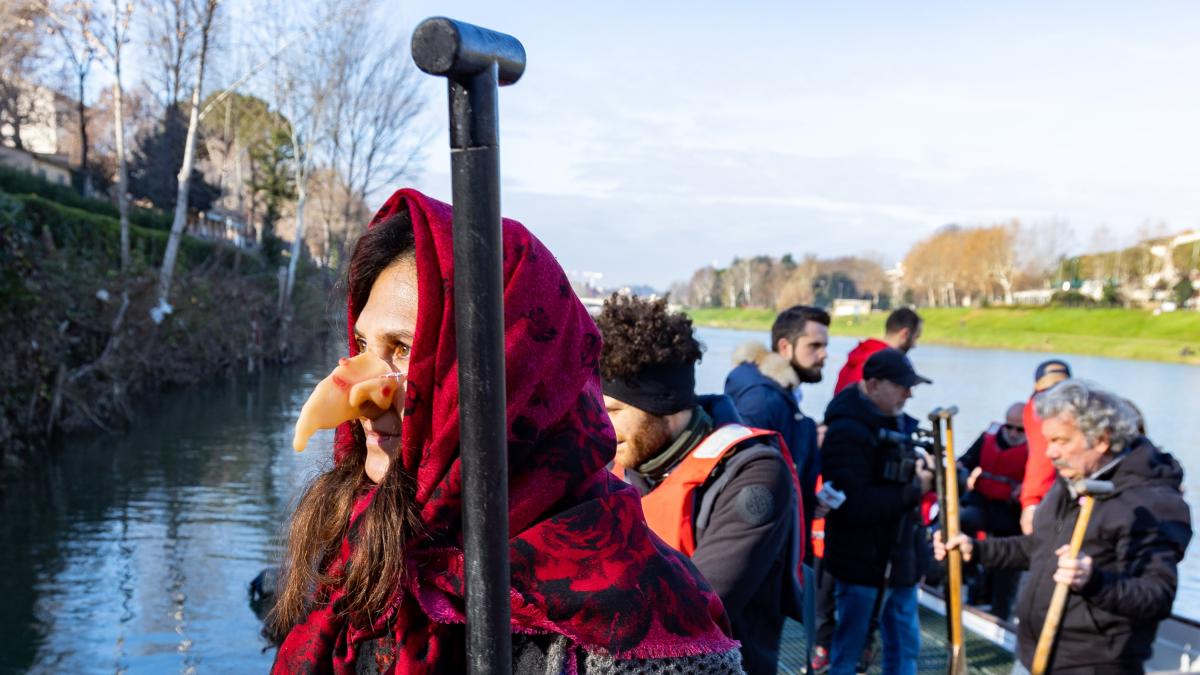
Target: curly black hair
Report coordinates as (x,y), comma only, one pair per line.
(641,334)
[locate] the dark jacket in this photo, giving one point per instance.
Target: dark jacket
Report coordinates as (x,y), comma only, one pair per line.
(748,552)
(764,402)
(1136,537)
(879,519)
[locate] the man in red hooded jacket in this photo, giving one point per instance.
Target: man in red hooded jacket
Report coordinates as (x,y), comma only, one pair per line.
(902,330)
(1039,470)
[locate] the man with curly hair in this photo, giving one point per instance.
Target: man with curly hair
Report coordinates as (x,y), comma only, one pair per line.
(713,488)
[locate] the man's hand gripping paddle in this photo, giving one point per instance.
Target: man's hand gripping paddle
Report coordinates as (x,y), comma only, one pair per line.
(946,477)
(1088,489)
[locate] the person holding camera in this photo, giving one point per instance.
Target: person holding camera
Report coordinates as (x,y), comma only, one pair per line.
(873,539)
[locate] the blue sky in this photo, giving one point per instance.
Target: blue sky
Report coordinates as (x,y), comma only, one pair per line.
(648,139)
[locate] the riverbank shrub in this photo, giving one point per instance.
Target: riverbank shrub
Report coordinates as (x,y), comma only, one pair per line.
(17,182)
(80,347)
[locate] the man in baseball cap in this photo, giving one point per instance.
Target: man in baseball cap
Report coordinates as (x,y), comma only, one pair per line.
(891,365)
(1050,373)
(872,539)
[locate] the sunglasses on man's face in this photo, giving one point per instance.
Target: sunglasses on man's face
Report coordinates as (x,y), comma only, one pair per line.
(1013,427)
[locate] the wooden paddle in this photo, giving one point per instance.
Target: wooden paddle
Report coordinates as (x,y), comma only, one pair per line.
(1058,602)
(946,472)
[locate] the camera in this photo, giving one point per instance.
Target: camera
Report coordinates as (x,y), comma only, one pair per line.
(903,451)
(918,439)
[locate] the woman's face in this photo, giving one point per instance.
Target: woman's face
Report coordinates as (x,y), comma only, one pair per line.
(385,328)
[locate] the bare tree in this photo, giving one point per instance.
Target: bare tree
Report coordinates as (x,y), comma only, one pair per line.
(1041,246)
(375,102)
(353,108)
(73,22)
(108,35)
(702,286)
(996,256)
(205,23)
(301,92)
(797,289)
(171,29)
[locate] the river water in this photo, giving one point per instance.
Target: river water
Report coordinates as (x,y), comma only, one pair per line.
(133,554)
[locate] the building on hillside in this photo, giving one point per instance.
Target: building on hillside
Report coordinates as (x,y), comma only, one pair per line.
(850,307)
(218,224)
(52,167)
(586,284)
(1092,288)
(1036,296)
(1167,273)
(40,144)
(46,125)
(895,277)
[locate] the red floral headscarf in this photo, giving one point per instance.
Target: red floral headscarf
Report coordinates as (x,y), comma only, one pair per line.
(584,563)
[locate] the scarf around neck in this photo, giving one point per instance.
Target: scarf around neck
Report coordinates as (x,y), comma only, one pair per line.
(584,563)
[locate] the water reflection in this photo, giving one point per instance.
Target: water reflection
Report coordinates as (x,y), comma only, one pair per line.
(133,553)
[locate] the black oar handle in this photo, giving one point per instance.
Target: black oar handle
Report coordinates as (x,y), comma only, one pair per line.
(475,62)
(454,49)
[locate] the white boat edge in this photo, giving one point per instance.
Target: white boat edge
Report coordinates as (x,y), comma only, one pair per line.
(1176,646)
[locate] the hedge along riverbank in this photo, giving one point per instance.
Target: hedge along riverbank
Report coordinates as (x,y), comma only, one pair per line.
(1117,333)
(16,182)
(80,347)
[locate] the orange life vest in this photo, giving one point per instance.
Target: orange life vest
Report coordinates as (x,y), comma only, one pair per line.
(1001,470)
(670,506)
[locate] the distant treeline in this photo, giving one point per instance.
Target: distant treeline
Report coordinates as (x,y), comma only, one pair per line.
(954,266)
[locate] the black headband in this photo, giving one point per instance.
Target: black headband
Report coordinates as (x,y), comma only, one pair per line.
(661,390)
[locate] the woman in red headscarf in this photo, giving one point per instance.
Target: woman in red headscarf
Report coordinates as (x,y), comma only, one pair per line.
(374,571)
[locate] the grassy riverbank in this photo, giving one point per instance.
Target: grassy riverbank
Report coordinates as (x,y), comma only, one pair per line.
(1116,333)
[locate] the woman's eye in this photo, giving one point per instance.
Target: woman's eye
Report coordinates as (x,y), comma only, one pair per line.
(361,345)
(403,350)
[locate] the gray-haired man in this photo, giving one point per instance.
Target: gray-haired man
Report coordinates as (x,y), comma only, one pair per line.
(1123,583)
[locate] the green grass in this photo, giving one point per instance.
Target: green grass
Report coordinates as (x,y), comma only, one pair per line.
(1116,333)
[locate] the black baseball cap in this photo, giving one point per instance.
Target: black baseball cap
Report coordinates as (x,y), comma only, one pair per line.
(892,365)
(1050,373)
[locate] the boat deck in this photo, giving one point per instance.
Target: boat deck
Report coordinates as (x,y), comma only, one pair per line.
(983,657)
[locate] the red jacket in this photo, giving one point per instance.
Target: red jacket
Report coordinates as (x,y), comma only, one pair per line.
(1039,470)
(852,371)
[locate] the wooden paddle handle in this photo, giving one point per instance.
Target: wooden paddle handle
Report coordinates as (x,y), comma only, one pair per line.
(1041,656)
(957,663)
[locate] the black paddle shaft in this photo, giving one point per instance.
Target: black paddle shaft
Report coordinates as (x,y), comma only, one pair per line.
(476,61)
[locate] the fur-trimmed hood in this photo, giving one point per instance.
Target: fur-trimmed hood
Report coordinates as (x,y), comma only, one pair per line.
(769,363)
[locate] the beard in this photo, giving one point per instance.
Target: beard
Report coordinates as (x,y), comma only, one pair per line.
(644,442)
(810,375)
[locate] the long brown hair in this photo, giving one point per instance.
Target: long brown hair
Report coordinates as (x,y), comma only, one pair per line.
(322,517)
